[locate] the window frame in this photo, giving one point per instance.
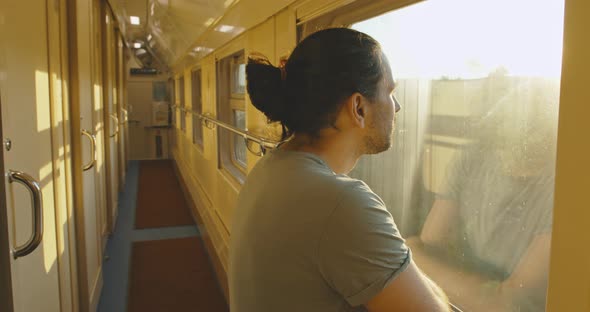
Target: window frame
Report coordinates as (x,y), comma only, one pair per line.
(229,101)
(347,13)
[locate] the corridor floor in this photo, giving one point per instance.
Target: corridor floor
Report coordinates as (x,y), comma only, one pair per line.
(118,255)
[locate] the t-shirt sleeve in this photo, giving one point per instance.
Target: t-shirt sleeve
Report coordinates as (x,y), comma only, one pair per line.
(455,175)
(361,250)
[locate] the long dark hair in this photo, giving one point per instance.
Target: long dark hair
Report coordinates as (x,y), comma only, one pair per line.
(324,70)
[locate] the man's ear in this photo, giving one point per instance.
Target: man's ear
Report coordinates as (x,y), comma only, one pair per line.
(357,109)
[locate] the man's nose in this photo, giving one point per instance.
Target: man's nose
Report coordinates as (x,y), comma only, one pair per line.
(397,105)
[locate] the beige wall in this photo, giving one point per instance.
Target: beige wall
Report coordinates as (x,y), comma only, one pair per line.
(569,276)
(141,137)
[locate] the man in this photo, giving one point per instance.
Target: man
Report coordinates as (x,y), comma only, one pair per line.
(305,236)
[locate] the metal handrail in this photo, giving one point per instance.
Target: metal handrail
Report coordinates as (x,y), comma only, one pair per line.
(264,143)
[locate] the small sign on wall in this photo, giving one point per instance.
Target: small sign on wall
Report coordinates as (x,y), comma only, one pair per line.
(160,113)
(143,71)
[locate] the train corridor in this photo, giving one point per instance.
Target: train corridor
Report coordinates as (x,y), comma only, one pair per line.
(155,260)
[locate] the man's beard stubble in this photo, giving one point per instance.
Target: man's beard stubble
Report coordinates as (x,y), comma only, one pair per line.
(380,140)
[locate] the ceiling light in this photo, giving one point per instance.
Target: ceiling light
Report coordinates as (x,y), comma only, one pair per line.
(225,28)
(202,49)
(134,20)
(137,45)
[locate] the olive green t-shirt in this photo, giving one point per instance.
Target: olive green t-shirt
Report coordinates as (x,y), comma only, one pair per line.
(306,239)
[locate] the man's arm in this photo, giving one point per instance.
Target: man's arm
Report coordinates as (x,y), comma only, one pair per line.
(362,257)
(471,289)
(468,290)
(441,224)
(530,277)
(410,291)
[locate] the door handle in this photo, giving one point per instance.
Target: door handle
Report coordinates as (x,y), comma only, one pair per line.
(117,125)
(37,201)
(92,149)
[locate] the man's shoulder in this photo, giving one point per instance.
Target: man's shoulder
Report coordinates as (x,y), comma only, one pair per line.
(354,194)
(352,187)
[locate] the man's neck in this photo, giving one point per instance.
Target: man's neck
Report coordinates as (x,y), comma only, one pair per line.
(339,151)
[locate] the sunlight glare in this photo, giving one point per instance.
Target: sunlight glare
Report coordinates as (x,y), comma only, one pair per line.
(472,38)
(41,91)
(49,239)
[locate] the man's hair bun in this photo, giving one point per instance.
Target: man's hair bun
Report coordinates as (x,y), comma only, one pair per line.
(266,87)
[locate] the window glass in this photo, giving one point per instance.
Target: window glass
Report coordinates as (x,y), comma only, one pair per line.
(159,91)
(173,101)
(239,143)
(197,107)
(238,77)
(182,104)
(469,178)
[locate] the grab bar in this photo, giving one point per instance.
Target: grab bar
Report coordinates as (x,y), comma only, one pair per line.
(92,149)
(114,117)
(37,201)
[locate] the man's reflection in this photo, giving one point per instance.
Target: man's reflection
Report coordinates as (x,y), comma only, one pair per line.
(486,239)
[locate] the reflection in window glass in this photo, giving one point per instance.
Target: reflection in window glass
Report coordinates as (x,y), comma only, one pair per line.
(239,144)
(182,104)
(197,107)
(239,78)
(469,179)
(173,101)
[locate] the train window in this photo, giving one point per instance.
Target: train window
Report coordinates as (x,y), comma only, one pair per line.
(470,176)
(173,101)
(231,72)
(238,77)
(197,107)
(182,104)
(159,91)
(239,145)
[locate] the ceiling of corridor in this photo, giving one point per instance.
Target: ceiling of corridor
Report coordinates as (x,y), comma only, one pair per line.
(173,31)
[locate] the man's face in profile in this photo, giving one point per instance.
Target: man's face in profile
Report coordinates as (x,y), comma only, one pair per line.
(381,118)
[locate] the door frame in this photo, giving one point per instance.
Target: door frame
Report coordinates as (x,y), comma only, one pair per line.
(77,162)
(107,61)
(5,274)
